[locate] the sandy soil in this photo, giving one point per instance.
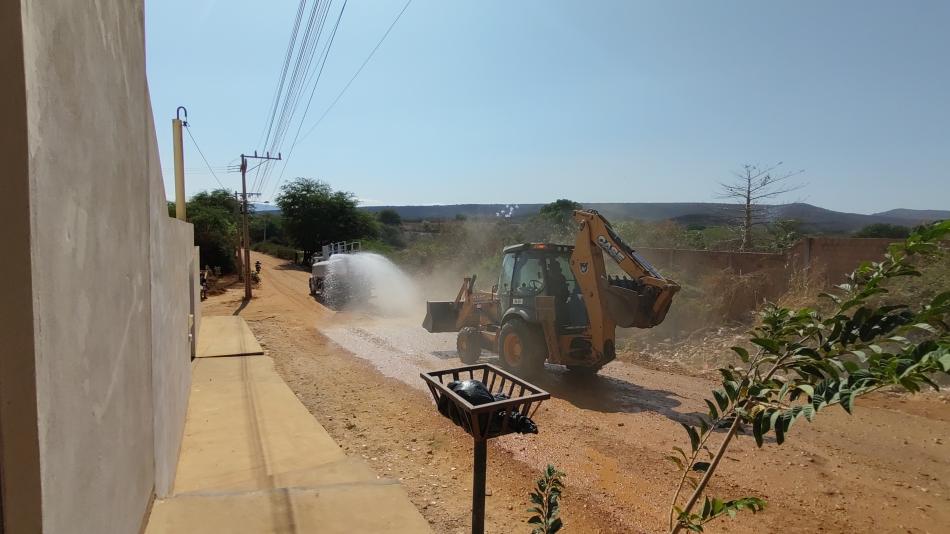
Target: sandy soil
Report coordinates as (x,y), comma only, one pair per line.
(885,469)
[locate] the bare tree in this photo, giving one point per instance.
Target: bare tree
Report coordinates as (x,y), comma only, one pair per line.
(752,186)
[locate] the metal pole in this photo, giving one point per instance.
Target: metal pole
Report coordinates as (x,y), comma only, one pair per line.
(479,467)
(247,241)
(179,169)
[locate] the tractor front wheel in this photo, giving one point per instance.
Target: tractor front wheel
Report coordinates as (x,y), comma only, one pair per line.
(469,345)
(521,348)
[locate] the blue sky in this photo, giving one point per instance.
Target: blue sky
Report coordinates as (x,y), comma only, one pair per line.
(529,101)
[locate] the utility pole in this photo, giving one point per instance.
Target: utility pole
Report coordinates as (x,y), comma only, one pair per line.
(247,240)
(179,162)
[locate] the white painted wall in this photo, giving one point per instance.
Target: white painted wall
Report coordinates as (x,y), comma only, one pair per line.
(109,275)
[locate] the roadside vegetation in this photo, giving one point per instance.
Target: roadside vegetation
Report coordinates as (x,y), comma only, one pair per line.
(214,216)
(860,339)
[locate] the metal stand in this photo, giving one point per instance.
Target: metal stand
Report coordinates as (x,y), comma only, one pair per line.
(484,421)
(479,468)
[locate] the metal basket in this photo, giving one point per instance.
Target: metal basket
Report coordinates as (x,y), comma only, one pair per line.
(492,419)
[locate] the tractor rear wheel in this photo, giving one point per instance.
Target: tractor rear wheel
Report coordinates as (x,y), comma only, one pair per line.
(521,348)
(469,345)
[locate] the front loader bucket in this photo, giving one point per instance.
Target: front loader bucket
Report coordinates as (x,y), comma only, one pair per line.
(643,307)
(441,317)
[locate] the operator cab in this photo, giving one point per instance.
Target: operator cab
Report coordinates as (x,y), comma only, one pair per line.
(530,270)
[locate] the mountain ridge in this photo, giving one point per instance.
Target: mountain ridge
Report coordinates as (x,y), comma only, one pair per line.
(813,218)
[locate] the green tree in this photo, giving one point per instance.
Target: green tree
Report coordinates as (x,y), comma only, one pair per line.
(216,230)
(266,227)
(560,210)
(314,215)
(883,230)
(389,217)
(559,215)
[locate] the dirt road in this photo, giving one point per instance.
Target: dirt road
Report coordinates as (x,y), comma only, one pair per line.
(885,469)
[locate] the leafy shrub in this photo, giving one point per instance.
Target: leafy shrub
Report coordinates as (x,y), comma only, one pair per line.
(883,230)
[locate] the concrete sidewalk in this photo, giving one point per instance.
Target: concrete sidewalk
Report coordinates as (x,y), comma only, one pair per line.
(254,460)
(226,335)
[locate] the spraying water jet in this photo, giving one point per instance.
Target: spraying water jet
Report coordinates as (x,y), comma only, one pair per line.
(364,281)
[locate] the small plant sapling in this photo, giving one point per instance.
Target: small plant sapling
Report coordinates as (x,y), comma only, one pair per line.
(546,500)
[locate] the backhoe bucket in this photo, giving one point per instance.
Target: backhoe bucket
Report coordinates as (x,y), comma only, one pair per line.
(644,307)
(441,317)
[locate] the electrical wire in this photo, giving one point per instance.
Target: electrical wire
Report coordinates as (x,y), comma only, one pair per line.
(357,73)
(195,142)
(300,78)
(295,55)
(283,75)
(340,95)
(313,90)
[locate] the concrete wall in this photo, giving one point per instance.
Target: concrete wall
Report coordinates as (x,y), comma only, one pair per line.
(174,259)
(704,261)
(835,257)
(828,257)
(103,357)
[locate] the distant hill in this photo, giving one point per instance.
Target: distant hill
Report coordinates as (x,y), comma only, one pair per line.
(260,207)
(917,215)
(813,218)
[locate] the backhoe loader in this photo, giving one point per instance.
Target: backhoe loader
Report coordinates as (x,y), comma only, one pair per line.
(557,303)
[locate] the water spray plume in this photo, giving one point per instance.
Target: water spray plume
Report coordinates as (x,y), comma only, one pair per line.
(370,282)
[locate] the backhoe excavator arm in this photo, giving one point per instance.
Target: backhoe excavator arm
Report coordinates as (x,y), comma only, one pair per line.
(641,301)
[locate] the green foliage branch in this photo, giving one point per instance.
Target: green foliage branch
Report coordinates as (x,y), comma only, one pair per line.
(546,500)
(806,360)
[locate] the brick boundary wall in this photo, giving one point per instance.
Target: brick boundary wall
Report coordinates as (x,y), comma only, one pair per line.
(831,257)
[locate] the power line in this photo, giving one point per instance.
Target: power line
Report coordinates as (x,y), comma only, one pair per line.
(340,95)
(300,78)
(188,129)
(283,74)
(285,87)
(358,71)
(313,90)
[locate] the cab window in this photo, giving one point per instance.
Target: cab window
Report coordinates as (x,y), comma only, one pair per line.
(507,268)
(528,277)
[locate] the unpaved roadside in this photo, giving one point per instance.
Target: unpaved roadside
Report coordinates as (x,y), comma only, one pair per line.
(886,469)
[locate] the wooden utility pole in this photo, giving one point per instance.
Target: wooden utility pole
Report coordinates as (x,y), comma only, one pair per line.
(245,232)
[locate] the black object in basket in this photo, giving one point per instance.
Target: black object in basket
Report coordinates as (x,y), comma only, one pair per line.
(484,400)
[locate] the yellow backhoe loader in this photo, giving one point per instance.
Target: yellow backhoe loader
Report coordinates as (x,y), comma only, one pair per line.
(557,302)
